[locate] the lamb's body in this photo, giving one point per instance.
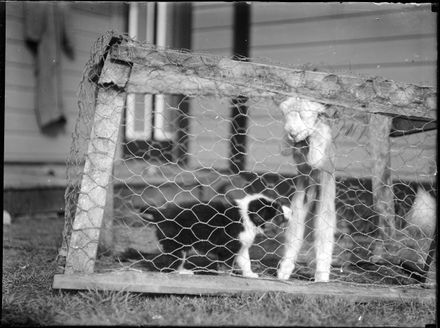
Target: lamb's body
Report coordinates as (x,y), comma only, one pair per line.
(310,142)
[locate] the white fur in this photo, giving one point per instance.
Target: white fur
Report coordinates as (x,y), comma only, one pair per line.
(423,212)
(325,226)
(287,212)
(300,117)
(181,269)
(320,142)
(293,236)
(6,218)
(302,121)
(247,237)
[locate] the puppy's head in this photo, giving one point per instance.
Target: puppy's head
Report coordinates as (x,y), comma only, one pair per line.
(268,214)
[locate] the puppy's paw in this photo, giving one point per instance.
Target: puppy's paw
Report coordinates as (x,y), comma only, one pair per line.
(250,274)
(185,271)
(322,276)
(283,275)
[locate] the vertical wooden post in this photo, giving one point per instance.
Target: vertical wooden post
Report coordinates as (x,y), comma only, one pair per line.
(383,198)
(95,184)
(105,244)
(182,27)
(239,113)
(430,256)
(242,22)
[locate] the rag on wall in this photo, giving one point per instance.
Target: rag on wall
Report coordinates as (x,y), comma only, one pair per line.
(47,33)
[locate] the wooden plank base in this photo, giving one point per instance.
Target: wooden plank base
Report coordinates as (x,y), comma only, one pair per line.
(172,283)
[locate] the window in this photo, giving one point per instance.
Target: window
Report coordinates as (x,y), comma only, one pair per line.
(153,123)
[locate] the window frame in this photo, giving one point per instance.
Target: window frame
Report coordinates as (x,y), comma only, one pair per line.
(156,22)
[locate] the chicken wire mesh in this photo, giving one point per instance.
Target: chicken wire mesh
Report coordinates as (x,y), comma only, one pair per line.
(182,161)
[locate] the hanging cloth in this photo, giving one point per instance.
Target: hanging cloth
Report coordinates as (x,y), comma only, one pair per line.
(47,34)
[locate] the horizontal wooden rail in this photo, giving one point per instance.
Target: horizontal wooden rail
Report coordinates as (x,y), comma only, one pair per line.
(169,71)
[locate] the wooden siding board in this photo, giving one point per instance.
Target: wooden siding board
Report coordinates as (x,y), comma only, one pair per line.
(23,77)
(17,54)
(264,130)
(20,121)
(348,28)
(36,148)
(19,99)
(19,75)
(224,52)
(14,9)
(209,128)
(71,82)
(14,28)
(76,65)
(97,8)
(85,41)
(408,52)
(404,35)
(22,100)
(270,12)
(212,17)
(208,152)
(23,139)
(201,6)
(212,40)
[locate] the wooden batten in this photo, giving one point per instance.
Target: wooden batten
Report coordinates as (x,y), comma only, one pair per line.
(382,184)
(171,283)
(169,71)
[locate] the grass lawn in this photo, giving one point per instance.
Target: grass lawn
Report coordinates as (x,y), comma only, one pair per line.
(29,249)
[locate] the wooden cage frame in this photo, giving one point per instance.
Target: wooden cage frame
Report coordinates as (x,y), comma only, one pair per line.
(131,67)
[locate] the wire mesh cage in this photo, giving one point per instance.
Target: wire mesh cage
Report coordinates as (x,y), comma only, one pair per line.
(172,150)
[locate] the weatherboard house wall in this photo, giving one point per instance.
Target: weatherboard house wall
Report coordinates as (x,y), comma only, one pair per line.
(396,41)
(24,141)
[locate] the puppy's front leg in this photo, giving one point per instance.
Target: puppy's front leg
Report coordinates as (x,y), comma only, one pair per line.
(244,262)
(181,269)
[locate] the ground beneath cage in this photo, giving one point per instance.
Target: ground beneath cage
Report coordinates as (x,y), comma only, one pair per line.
(30,246)
(136,247)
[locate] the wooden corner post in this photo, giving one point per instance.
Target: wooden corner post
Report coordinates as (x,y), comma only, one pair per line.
(93,212)
(383,199)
